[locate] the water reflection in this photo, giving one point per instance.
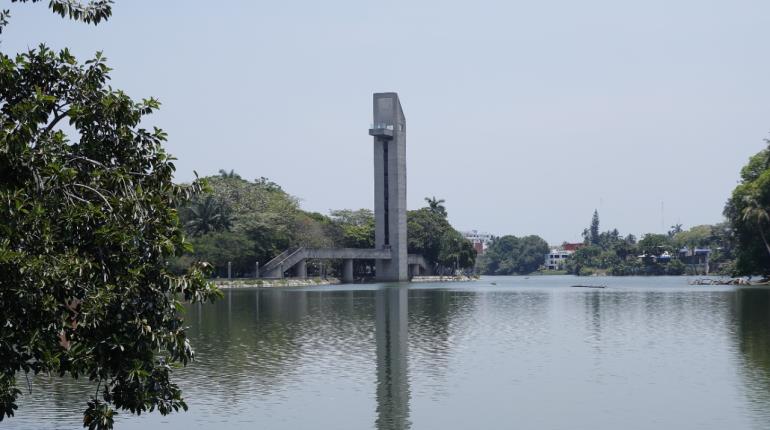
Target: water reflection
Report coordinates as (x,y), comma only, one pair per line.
(257,341)
(457,356)
(392,311)
(752,308)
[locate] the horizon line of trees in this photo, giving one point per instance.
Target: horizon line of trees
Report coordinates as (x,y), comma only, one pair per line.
(654,254)
(244,222)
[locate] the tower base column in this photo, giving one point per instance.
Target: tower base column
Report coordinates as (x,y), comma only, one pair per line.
(347,271)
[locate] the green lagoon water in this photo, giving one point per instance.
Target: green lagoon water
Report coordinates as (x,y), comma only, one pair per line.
(526,353)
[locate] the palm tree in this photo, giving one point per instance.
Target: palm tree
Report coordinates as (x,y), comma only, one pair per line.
(229,175)
(207,216)
(675,229)
(754,212)
(436,205)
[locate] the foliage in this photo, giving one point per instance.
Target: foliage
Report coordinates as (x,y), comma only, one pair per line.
(621,256)
(229,175)
(95,11)
(244,222)
(511,255)
(354,229)
(436,206)
(675,229)
(654,244)
(594,229)
(430,234)
(207,215)
(748,211)
(695,237)
(219,248)
(87,226)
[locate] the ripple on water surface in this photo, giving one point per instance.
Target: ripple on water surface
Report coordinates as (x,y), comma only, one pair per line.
(531,353)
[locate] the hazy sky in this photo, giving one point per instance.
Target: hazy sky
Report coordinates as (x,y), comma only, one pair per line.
(523,115)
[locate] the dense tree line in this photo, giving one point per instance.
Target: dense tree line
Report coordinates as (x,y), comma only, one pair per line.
(246,222)
(654,254)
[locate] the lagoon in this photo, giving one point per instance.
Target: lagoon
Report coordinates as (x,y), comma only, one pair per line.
(528,352)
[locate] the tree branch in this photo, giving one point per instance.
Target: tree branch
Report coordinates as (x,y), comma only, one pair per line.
(55,121)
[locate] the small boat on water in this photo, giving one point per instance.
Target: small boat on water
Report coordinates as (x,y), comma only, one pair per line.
(589,286)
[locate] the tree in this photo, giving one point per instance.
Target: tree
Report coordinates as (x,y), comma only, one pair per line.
(654,244)
(208,215)
(747,211)
(695,237)
(88,222)
(431,235)
(229,175)
(436,205)
(355,229)
(594,231)
(675,229)
(95,11)
(511,255)
(755,214)
(222,247)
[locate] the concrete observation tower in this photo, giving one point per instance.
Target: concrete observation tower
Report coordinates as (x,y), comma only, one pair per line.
(392,263)
(389,132)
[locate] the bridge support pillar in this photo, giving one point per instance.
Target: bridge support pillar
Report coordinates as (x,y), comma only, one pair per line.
(414,270)
(300,269)
(347,271)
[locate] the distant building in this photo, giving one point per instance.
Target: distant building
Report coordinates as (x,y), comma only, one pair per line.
(694,256)
(557,258)
(572,247)
(480,240)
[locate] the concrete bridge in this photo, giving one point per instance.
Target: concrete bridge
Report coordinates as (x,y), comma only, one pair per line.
(295,260)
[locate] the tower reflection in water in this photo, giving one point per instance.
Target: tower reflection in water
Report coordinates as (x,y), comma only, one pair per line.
(392,331)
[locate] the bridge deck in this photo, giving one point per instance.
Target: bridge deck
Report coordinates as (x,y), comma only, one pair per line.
(345,253)
(297,257)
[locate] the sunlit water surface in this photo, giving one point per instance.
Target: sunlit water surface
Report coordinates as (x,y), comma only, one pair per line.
(533,353)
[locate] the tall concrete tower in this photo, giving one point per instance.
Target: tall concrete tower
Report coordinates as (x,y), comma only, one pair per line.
(389,131)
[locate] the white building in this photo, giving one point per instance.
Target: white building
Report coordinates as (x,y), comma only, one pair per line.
(556,259)
(480,240)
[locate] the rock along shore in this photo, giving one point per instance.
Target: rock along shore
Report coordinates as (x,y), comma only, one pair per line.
(461,278)
(273,283)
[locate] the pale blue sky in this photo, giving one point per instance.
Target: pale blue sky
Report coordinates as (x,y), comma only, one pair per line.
(523,115)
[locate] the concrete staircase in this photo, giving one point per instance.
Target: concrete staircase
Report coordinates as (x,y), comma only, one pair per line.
(282,262)
(290,258)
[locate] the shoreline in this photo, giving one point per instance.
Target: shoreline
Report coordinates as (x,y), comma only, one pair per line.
(313,282)
(273,283)
(429,279)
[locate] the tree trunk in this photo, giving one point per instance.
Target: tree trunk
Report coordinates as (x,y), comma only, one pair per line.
(764,239)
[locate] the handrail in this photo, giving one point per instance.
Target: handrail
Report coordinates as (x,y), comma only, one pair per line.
(270,265)
(293,254)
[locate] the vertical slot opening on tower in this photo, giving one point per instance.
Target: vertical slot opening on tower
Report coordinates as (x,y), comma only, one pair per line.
(386,211)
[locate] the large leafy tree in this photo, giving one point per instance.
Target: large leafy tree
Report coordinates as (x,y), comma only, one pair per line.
(748,211)
(511,255)
(87,225)
(430,234)
(353,229)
